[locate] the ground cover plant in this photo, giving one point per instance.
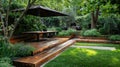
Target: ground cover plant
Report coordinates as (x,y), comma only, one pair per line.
(82,57)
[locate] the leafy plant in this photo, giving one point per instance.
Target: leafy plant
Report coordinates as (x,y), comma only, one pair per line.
(92,32)
(5,62)
(6,49)
(84,21)
(82,32)
(67,32)
(114,37)
(19,50)
(28,23)
(109,24)
(52,21)
(23,50)
(5,59)
(58,29)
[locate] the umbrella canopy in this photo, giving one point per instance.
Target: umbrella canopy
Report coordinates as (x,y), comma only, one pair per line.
(41,11)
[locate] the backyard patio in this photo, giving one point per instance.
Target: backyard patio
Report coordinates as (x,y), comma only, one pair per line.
(65,33)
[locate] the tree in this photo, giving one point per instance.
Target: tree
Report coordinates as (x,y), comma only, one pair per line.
(95,7)
(4,15)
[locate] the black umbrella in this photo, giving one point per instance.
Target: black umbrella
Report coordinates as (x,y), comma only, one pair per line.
(41,11)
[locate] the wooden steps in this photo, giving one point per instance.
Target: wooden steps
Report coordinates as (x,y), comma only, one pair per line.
(40,58)
(48,50)
(40,47)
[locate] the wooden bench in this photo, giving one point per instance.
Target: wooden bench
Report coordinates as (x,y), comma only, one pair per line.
(41,34)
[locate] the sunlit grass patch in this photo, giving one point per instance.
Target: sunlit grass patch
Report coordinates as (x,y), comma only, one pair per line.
(81,57)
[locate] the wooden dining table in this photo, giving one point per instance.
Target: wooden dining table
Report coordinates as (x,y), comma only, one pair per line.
(38,33)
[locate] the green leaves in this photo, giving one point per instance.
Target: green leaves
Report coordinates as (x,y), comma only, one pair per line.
(92,32)
(114,37)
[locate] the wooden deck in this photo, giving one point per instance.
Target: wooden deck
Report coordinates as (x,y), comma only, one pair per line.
(47,44)
(44,52)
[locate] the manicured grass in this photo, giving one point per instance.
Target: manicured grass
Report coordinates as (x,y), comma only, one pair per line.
(81,57)
(97,44)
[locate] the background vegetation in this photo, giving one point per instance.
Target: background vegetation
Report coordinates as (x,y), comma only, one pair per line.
(94,17)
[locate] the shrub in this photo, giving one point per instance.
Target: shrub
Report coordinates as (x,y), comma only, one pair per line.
(84,21)
(114,37)
(23,50)
(63,33)
(109,24)
(19,50)
(5,62)
(51,29)
(28,23)
(5,59)
(82,32)
(6,49)
(58,29)
(92,32)
(67,32)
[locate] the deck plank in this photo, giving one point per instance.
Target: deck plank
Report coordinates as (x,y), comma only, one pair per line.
(40,58)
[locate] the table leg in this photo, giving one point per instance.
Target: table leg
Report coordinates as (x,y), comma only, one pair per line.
(37,37)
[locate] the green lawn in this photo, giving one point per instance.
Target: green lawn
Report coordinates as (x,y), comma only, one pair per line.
(81,57)
(98,44)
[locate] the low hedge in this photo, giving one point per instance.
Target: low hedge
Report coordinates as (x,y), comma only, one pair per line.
(114,37)
(22,50)
(67,32)
(91,32)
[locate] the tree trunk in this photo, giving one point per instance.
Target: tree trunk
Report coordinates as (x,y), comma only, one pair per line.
(30,3)
(94,18)
(5,25)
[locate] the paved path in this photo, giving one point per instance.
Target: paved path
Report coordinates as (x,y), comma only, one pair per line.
(96,47)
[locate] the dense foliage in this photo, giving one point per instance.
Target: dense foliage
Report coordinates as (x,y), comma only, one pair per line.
(92,32)
(114,37)
(109,24)
(9,50)
(51,21)
(84,21)
(67,32)
(28,23)
(5,62)
(100,14)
